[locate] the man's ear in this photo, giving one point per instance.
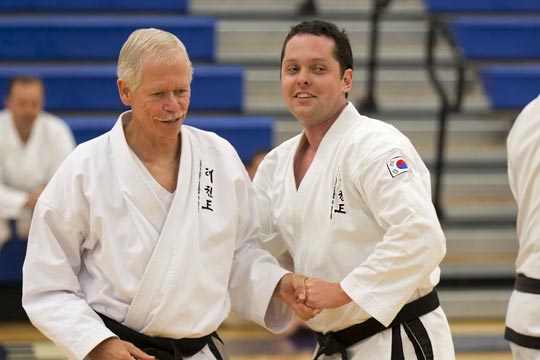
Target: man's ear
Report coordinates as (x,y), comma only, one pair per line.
(124,91)
(347,80)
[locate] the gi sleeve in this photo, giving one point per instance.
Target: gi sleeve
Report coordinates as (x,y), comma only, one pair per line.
(52,295)
(270,238)
(255,272)
(397,191)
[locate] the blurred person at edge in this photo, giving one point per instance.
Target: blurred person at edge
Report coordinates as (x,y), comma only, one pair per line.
(147,235)
(523,313)
(350,199)
(33,143)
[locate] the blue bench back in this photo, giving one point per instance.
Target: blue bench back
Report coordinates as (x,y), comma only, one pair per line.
(497,38)
(510,86)
(248,134)
(93,87)
(94,5)
(482,6)
(89,38)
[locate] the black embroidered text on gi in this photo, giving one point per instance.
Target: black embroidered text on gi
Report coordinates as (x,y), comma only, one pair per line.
(338,199)
(206,182)
(208,189)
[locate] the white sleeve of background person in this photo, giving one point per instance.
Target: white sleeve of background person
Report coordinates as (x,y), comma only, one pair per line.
(523,147)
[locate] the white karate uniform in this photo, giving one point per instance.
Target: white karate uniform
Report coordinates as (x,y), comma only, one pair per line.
(362,218)
(523,146)
(103,240)
(26,167)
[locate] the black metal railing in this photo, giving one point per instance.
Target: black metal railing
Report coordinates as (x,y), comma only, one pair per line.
(368,104)
(447,104)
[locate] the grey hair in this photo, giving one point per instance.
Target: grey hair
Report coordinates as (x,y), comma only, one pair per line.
(142,42)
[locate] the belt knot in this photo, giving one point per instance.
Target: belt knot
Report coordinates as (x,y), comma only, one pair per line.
(329,344)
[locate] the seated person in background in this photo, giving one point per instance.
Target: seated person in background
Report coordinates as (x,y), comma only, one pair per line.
(254,162)
(33,143)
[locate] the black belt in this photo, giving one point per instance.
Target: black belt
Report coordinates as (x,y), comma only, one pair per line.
(532,286)
(338,342)
(527,284)
(160,347)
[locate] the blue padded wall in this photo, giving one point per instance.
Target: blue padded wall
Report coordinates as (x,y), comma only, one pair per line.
(93,87)
(90,38)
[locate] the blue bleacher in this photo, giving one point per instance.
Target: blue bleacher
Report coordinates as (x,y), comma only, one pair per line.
(96,37)
(479,32)
(501,40)
(481,6)
(497,38)
(93,87)
(248,134)
(510,86)
(93,5)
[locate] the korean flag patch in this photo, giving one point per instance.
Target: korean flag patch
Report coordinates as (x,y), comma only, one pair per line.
(397,166)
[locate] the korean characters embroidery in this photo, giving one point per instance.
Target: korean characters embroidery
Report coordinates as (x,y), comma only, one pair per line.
(338,198)
(206,188)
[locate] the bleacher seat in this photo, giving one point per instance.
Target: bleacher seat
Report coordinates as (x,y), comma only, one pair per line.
(248,134)
(510,86)
(505,41)
(497,38)
(481,6)
(93,87)
(94,5)
(89,38)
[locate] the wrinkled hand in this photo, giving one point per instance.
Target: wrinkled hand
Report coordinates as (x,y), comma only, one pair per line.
(322,294)
(116,349)
(291,289)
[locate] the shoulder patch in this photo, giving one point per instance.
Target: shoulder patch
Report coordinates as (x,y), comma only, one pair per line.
(397,166)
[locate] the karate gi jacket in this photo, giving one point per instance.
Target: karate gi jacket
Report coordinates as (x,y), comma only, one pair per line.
(523,147)
(26,167)
(362,216)
(97,243)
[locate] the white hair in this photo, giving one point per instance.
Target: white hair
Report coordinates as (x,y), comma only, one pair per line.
(143,42)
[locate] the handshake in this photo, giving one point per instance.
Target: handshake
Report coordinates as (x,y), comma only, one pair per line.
(309,296)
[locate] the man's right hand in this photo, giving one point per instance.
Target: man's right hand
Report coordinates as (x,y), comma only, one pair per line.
(116,349)
(291,290)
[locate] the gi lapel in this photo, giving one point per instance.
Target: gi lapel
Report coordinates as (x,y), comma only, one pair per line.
(308,187)
(176,226)
(138,193)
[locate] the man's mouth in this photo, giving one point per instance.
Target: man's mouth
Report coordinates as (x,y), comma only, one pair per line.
(175,117)
(303,96)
